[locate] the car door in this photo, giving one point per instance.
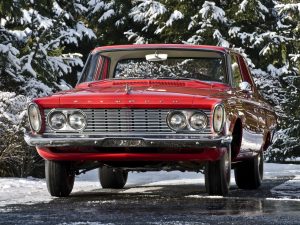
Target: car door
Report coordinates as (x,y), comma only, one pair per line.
(266,115)
(249,109)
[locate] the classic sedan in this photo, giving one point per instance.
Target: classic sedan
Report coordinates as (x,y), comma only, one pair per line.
(155,107)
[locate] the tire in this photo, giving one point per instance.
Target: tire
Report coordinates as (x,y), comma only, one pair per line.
(249,174)
(59,178)
(112,178)
(217,175)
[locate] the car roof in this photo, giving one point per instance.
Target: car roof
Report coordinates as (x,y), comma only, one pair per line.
(162,46)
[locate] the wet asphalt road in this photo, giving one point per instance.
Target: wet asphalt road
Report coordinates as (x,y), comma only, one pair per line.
(163,204)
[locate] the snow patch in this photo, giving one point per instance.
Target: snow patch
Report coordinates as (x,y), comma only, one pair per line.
(32,191)
(290,188)
(203,196)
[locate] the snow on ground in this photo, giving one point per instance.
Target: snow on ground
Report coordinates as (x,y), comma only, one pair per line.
(290,188)
(31,190)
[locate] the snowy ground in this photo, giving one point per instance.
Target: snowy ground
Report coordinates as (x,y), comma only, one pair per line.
(32,191)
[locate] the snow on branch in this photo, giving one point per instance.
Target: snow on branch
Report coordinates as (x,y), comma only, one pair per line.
(33,16)
(286,8)
(35,88)
(221,40)
(106,15)
(275,72)
(10,54)
(176,15)
(147,10)
(246,5)
(210,11)
(134,36)
(295,57)
(12,108)
(106,9)
(98,5)
(82,31)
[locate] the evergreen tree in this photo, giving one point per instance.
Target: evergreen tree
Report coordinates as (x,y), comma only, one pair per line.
(35,37)
(266,32)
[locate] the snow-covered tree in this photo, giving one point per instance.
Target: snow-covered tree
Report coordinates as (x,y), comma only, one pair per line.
(109,20)
(265,31)
(35,42)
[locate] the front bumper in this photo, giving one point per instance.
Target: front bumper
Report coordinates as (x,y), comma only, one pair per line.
(130,140)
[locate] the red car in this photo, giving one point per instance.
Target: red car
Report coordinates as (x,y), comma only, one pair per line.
(155,107)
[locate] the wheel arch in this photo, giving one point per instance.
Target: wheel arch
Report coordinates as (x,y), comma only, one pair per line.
(267,141)
(236,129)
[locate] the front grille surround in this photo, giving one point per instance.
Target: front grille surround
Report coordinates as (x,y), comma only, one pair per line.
(124,121)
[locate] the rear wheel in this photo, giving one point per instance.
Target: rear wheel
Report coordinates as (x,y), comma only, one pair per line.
(217,175)
(59,177)
(112,177)
(249,173)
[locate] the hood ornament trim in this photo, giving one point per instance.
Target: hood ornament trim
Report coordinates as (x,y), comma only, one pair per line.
(127,89)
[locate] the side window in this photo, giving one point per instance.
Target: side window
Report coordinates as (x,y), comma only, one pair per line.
(246,71)
(235,70)
(91,69)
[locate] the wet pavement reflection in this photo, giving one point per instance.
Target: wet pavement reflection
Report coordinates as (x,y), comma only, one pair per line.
(161,204)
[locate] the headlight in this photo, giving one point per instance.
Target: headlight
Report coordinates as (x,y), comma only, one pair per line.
(218,118)
(198,121)
(77,120)
(34,117)
(176,120)
(57,120)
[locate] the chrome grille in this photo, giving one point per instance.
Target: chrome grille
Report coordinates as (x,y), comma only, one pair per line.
(125,120)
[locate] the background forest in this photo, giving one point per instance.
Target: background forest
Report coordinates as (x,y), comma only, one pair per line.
(44,43)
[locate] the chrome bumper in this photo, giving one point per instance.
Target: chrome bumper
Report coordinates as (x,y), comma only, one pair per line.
(130,140)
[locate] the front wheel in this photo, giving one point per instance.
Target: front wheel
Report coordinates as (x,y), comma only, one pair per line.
(59,178)
(217,175)
(249,173)
(114,178)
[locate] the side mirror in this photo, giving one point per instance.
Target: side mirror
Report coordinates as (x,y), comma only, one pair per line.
(245,87)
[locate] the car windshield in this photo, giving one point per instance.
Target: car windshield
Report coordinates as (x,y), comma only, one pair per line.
(207,69)
(201,65)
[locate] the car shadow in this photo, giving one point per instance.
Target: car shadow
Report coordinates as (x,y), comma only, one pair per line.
(177,191)
(191,196)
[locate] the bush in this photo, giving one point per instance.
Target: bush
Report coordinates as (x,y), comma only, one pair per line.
(16,157)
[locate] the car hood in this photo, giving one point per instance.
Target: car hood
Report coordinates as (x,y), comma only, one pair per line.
(142,94)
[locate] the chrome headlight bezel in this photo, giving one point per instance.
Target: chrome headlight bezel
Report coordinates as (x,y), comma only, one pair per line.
(67,126)
(187,114)
(84,120)
(51,114)
(205,120)
(172,114)
(219,110)
(30,107)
